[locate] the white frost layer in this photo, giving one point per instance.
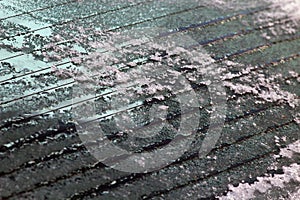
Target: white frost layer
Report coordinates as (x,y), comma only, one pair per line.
(279,9)
(246,191)
(295,195)
(263,87)
(289,7)
(9,11)
(21,63)
(290,150)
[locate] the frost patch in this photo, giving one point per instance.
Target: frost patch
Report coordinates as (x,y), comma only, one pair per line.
(263,87)
(233,4)
(246,191)
(290,150)
(288,10)
(297,119)
(115,59)
(295,195)
(72,44)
